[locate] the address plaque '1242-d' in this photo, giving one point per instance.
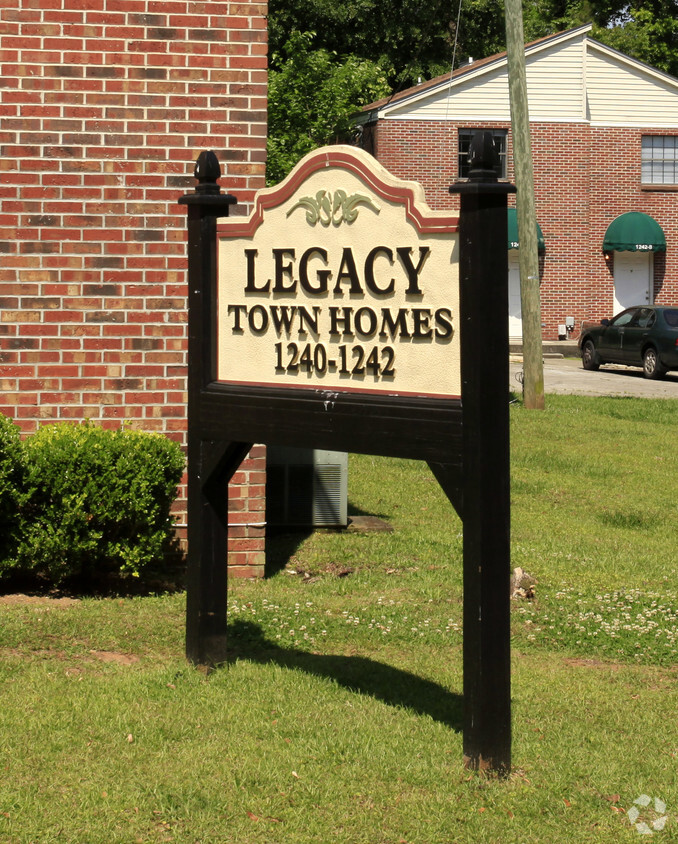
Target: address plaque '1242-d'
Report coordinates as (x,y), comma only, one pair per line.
(342,278)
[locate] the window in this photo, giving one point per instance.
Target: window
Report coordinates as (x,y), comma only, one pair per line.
(625,317)
(464,143)
(659,160)
(644,318)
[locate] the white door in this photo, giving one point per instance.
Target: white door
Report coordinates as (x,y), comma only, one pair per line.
(515,318)
(632,279)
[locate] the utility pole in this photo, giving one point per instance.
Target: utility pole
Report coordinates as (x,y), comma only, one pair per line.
(533,364)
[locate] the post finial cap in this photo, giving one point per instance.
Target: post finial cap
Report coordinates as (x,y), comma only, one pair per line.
(207,172)
(483,158)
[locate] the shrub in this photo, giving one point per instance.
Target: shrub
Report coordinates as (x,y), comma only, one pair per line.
(11,481)
(96,500)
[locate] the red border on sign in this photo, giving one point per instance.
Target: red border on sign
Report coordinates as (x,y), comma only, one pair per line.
(402,193)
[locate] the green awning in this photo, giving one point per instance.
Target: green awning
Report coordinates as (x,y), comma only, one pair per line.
(513,241)
(634,232)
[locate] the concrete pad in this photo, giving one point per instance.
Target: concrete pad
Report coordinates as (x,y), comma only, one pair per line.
(567,376)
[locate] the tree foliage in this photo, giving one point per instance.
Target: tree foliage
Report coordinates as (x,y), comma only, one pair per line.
(312,95)
(410,38)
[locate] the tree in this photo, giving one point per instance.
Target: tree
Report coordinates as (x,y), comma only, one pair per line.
(313,94)
(410,38)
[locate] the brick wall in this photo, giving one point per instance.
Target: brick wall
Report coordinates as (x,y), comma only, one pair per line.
(584,178)
(104,107)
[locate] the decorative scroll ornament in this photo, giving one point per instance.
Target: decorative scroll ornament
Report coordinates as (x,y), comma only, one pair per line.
(340,208)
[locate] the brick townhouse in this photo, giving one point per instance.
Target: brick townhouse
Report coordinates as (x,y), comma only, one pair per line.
(104,107)
(604,130)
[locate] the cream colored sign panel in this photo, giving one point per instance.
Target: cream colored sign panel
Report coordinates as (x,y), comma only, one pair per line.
(341,279)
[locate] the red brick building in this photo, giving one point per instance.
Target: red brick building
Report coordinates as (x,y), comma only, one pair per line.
(604,131)
(104,107)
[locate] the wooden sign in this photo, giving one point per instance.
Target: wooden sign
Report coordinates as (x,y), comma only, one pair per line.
(345,314)
(341,279)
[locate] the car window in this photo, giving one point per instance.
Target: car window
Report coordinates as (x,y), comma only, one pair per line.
(625,317)
(644,318)
(671,318)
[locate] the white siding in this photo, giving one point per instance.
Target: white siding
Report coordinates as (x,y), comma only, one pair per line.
(622,93)
(554,88)
(477,97)
(555,83)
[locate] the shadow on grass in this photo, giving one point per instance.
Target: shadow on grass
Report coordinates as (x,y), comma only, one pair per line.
(283,541)
(356,673)
(354,510)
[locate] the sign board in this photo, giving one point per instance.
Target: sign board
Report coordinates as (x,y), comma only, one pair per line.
(342,279)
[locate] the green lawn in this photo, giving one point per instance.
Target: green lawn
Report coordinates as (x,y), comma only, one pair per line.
(338,717)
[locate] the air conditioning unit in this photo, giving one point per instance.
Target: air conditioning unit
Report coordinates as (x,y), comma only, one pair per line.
(306,487)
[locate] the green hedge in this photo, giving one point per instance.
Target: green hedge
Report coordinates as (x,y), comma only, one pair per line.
(90,500)
(11,484)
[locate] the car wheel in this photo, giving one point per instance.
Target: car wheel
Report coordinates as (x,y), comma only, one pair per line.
(589,356)
(652,366)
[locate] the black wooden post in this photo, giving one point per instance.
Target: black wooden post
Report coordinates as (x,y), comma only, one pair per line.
(207,535)
(483,271)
